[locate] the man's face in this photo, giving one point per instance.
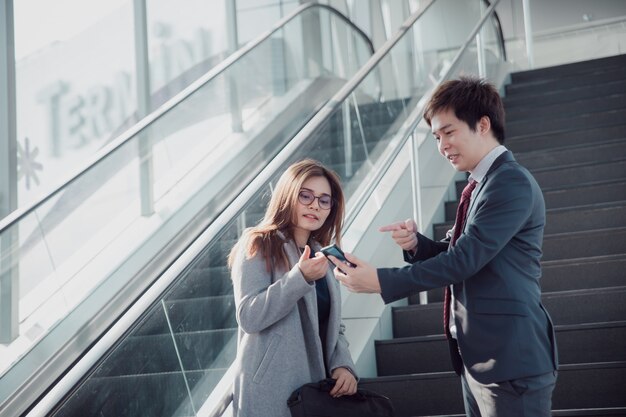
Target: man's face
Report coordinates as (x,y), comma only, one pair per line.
(457,142)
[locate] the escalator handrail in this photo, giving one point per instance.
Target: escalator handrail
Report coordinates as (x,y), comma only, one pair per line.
(499,29)
(18,214)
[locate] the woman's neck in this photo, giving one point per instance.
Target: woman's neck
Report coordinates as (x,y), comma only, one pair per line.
(301,237)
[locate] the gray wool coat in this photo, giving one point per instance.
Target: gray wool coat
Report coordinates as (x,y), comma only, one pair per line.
(279,347)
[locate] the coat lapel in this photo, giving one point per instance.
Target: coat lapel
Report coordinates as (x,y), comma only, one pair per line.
(309,299)
(505,157)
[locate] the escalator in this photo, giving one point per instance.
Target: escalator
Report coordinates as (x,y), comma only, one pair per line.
(75,260)
(171,353)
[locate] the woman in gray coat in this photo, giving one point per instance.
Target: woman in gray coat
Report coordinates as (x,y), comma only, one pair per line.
(288,301)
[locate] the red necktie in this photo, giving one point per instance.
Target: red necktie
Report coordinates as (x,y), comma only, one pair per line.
(459,224)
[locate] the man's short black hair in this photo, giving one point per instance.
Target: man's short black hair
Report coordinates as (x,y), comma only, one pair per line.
(470,98)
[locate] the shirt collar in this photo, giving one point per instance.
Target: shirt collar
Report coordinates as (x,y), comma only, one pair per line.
(483,166)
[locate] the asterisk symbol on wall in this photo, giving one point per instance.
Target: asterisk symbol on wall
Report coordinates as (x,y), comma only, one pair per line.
(27,166)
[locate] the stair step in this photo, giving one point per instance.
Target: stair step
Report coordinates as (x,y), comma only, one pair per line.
(573,68)
(596,305)
(538,87)
(553,157)
(154,354)
(580,173)
(584,273)
(581,92)
(551,242)
(595,216)
(569,196)
(577,412)
(586,306)
(194,314)
(581,343)
(591,412)
(532,113)
(567,219)
(568,274)
(164,394)
(584,194)
(584,244)
(583,136)
(559,124)
(203,282)
(440,393)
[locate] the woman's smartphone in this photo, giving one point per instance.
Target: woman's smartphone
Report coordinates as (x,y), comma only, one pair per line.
(336,251)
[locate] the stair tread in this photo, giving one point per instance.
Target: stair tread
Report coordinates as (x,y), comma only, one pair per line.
(548,294)
(589,259)
(569,412)
(557,328)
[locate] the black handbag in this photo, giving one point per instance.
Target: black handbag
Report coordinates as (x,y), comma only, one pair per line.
(314,400)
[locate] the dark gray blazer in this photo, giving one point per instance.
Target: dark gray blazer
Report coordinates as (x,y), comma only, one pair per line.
(279,347)
(503,330)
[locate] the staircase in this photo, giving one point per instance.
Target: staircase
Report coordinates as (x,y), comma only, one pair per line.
(567,124)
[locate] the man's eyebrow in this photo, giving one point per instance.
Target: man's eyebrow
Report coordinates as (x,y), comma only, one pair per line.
(442,128)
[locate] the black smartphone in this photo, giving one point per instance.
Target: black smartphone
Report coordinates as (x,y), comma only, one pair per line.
(336,251)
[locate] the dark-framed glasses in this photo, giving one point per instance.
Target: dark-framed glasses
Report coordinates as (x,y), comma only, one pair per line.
(306,197)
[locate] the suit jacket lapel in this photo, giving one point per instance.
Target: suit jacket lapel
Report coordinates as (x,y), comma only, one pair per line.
(505,157)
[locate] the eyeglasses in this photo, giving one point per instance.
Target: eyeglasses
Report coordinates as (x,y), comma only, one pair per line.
(306,197)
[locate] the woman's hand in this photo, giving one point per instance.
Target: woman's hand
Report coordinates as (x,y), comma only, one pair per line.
(312,268)
(346,382)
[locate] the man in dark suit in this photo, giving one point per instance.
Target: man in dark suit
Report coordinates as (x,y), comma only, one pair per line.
(501,337)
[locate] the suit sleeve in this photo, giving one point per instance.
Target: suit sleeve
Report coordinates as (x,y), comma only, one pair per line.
(502,209)
(260,302)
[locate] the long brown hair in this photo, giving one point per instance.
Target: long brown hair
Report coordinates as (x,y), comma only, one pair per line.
(281,215)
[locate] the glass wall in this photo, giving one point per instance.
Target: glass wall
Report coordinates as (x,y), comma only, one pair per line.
(76,71)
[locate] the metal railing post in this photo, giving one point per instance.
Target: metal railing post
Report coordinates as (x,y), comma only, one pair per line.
(480,47)
(347,138)
(416,188)
(528,30)
(236,119)
(142,69)
(9,273)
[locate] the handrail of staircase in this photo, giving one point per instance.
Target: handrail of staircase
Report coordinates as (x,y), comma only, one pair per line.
(18,214)
(499,29)
(233,210)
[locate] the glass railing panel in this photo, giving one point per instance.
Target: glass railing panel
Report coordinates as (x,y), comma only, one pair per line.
(75,73)
(84,244)
(592,39)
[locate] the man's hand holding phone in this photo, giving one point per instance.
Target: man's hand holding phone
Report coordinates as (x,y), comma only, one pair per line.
(337,253)
(359,277)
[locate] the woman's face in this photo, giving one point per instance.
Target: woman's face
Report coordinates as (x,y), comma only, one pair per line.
(310,216)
